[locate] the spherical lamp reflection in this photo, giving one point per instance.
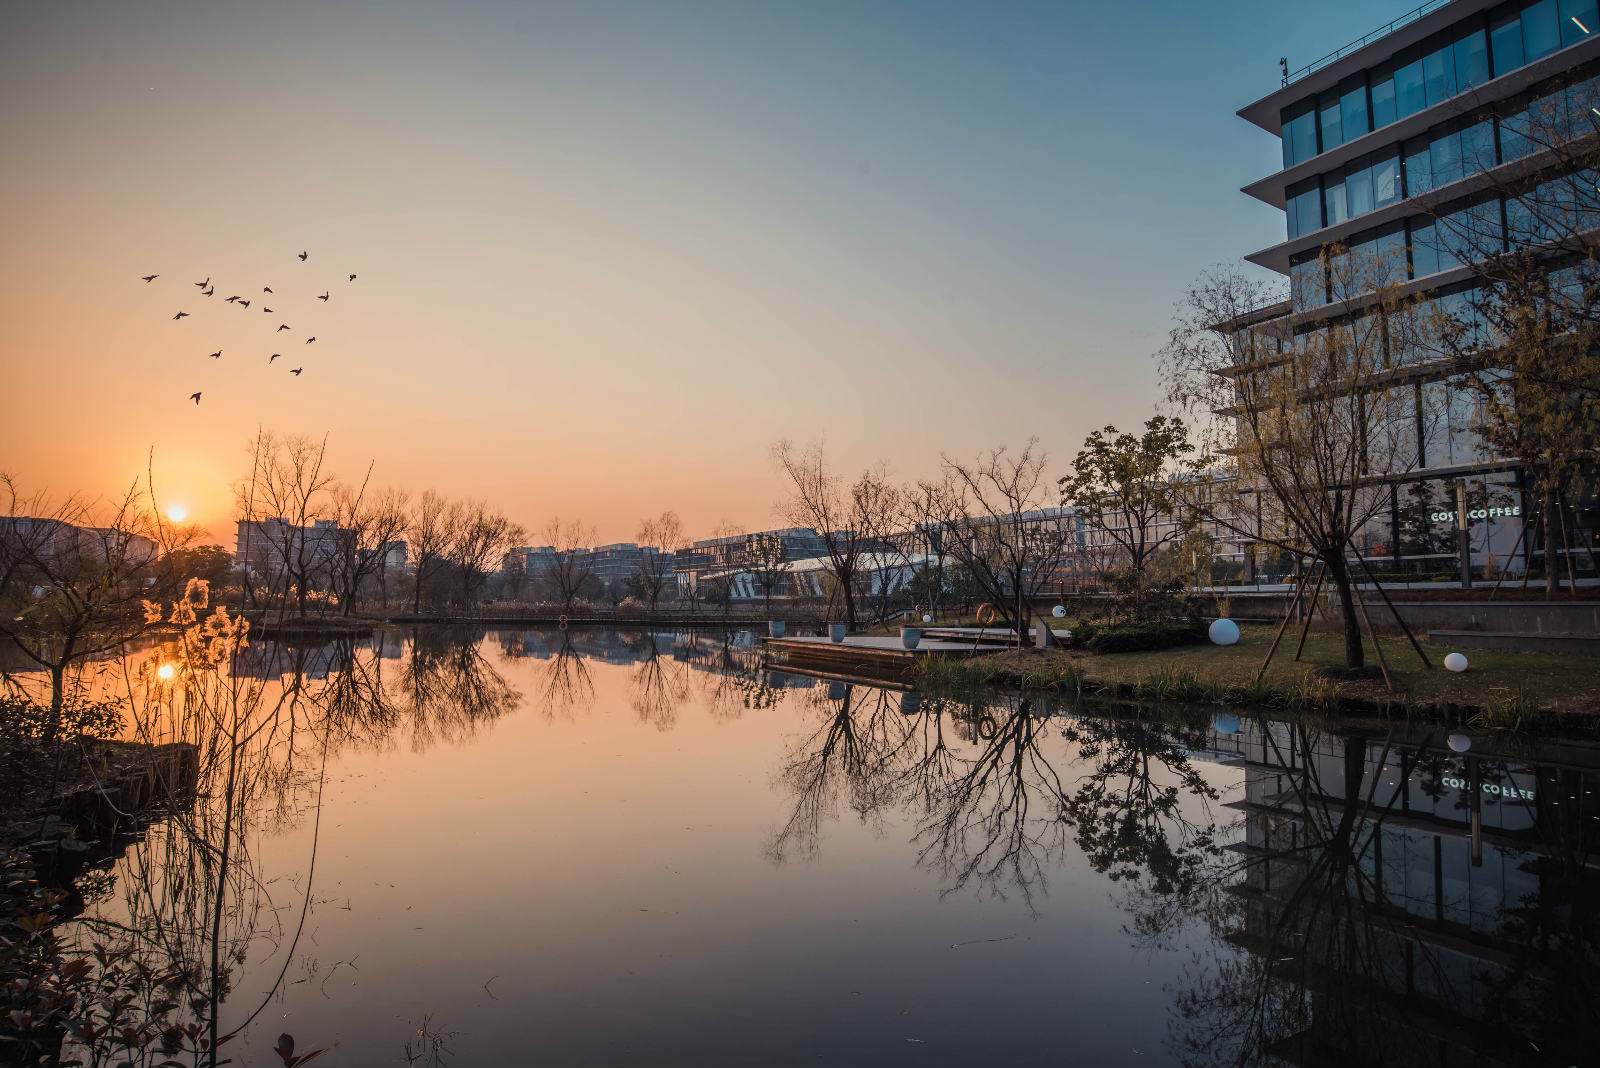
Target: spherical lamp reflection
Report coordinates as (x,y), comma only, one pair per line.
(1225,723)
(1460,743)
(1455,662)
(165,671)
(1224,632)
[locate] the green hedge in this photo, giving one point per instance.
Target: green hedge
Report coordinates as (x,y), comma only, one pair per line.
(1134,637)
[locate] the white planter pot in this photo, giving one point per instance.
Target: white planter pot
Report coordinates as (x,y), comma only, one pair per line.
(776,628)
(836,632)
(910,636)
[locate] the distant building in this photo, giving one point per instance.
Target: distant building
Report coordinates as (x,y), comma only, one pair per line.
(56,540)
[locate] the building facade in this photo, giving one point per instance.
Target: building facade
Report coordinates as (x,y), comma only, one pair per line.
(1422,149)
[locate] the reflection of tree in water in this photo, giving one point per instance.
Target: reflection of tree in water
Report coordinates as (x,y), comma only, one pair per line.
(995,810)
(1328,951)
(853,756)
(566,688)
(732,669)
(190,899)
(1129,809)
(658,685)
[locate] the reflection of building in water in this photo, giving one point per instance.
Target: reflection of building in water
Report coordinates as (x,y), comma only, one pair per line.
(1446,878)
(270,661)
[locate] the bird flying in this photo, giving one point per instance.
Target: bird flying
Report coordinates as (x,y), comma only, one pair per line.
(274,356)
(309,340)
(202,285)
(267,310)
(281,327)
(180,315)
(153,277)
(195,397)
(266,289)
(352,278)
(208,292)
(297,370)
(244,304)
(324,297)
(303,256)
(217,355)
(232,299)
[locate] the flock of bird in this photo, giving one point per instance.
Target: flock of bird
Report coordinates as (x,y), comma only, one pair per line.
(209,290)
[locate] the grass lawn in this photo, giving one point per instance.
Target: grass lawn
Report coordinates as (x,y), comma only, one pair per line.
(1510,686)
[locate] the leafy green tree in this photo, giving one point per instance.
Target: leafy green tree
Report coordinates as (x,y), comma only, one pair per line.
(1123,485)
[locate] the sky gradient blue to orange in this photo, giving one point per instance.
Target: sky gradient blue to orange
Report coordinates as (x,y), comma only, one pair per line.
(609,252)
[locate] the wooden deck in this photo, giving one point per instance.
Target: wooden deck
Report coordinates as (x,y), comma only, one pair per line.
(869,652)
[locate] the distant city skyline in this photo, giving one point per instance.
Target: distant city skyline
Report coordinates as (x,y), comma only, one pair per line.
(609,254)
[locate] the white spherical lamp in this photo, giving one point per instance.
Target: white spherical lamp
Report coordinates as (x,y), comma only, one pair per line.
(1460,743)
(1224,632)
(1059,611)
(1455,662)
(927,617)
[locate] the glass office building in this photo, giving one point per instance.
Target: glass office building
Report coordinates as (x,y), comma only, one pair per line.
(1420,147)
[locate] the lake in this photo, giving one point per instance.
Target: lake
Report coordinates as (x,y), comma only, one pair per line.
(622,847)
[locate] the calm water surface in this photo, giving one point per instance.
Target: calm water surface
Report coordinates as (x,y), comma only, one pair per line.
(620,848)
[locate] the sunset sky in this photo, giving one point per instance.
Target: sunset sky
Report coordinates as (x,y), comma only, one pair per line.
(608,253)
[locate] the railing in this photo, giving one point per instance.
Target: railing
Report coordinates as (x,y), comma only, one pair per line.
(1382,31)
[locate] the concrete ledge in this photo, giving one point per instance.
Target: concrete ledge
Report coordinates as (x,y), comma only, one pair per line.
(1519,642)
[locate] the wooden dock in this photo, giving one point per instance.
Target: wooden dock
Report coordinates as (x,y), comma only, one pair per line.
(870,653)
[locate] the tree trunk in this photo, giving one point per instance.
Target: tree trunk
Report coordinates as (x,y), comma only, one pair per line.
(1354,650)
(845,585)
(416,594)
(58,672)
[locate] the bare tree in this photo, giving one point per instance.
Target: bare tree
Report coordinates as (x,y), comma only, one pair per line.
(431,532)
(766,560)
(483,538)
(72,578)
(288,491)
(571,572)
(851,518)
(665,534)
(1314,426)
(1004,528)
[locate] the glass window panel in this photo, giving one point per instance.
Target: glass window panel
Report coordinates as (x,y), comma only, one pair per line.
(1445,153)
(1305,207)
(1383,103)
(1435,424)
(1472,59)
(1353,118)
(1419,167)
(1328,119)
(1358,186)
(1424,251)
(1505,41)
(1299,133)
(1388,251)
(1439,74)
(1577,20)
(1477,147)
(1386,179)
(1334,208)
(1523,226)
(1514,142)
(1410,94)
(1541,31)
(1306,284)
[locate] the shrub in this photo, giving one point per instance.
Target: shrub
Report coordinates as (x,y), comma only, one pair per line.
(1134,637)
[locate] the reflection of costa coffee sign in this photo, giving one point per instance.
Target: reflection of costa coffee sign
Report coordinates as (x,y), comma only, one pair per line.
(1488,787)
(1476,513)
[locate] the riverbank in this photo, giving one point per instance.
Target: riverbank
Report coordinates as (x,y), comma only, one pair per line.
(1513,691)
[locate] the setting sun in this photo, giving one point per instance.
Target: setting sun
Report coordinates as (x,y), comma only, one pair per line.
(177,513)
